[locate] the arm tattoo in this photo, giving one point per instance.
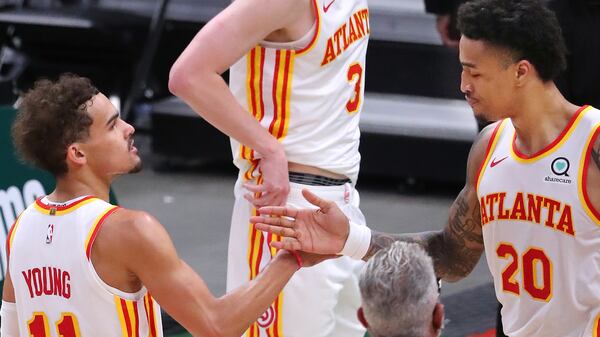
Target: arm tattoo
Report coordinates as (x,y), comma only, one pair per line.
(596,156)
(455,250)
(381,241)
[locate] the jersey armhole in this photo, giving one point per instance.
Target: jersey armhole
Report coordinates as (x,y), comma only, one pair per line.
(11,235)
(89,242)
(589,208)
(317,32)
(93,233)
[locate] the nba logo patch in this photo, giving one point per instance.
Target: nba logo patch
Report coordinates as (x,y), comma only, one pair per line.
(50,234)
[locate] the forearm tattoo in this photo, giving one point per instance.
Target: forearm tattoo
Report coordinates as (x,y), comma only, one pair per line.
(455,250)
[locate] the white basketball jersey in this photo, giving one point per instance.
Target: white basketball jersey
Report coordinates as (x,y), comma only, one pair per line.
(309,99)
(541,234)
(58,292)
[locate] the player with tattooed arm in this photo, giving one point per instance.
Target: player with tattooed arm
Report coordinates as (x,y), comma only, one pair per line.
(530,201)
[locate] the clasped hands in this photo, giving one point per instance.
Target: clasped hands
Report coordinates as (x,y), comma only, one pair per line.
(322,230)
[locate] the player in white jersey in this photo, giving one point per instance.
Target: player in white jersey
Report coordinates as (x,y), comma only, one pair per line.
(531,199)
(79,266)
(296,89)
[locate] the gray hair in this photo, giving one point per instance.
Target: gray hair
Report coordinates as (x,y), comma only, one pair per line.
(399,291)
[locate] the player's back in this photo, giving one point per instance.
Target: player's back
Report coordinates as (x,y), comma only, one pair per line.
(57,290)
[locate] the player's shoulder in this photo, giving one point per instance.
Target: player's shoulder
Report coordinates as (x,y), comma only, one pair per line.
(482,142)
(127,226)
(594,148)
(292,6)
(480,148)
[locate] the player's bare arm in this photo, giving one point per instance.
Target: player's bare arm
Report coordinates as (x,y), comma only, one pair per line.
(455,249)
(9,324)
(133,248)
(196,78)
(593,174)
(8,293)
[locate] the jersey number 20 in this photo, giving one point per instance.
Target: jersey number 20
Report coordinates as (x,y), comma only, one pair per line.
(538,289)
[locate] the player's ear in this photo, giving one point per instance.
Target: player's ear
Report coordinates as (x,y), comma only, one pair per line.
(437,321)
(523,71)
(76,155)
(361,317)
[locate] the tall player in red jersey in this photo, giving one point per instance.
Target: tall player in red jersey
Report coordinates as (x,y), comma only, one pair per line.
(531,199)
(79,266)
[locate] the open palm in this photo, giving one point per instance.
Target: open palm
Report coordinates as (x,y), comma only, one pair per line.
(322,231)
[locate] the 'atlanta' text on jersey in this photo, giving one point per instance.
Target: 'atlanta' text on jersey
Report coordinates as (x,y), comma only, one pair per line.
(348,33)
(528,207)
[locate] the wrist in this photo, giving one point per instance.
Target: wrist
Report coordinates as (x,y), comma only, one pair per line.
(288,260)
(358,241)
(271,148)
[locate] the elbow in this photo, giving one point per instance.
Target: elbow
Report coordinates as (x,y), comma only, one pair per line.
(456,273)
(179,80)
(453,278)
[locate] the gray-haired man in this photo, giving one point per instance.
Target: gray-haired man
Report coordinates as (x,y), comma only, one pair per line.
(399,293)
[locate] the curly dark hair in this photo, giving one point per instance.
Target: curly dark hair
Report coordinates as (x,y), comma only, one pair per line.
(526,28)
(52,116)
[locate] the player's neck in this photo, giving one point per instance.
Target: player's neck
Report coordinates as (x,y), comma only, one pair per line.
(543,115)
(69,187)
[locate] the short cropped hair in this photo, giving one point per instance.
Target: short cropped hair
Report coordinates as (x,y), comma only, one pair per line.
(399,291)
(52,116)
(526,28)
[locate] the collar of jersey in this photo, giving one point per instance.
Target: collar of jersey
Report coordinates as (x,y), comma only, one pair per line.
(558,142)
(62,209)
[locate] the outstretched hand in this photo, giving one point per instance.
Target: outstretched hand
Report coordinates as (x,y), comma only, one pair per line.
(323,230)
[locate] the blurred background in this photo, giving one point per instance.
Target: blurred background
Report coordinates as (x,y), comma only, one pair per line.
(416,127)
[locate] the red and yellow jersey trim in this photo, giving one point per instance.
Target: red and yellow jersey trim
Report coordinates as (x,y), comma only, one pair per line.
(62,210)
(255,69)
(282,90)
(280,94)
(591,211)
(315,38)
(256,246)
(96,228)
(128,317)
(596,328)
(557,143)
(488,152)
(11,234)
(150,315)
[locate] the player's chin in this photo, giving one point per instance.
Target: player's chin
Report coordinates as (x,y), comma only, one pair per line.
(480,113)
(137,166)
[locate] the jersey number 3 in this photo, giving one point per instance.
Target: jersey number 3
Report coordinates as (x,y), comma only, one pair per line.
(67,326)
(533,257)
(355,75)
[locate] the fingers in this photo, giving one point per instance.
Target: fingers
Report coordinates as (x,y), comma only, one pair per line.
(265,199)
(323,204)
(287,244)
(288,211)
(266,194)
(273,221)
(281,231)
(255,188)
